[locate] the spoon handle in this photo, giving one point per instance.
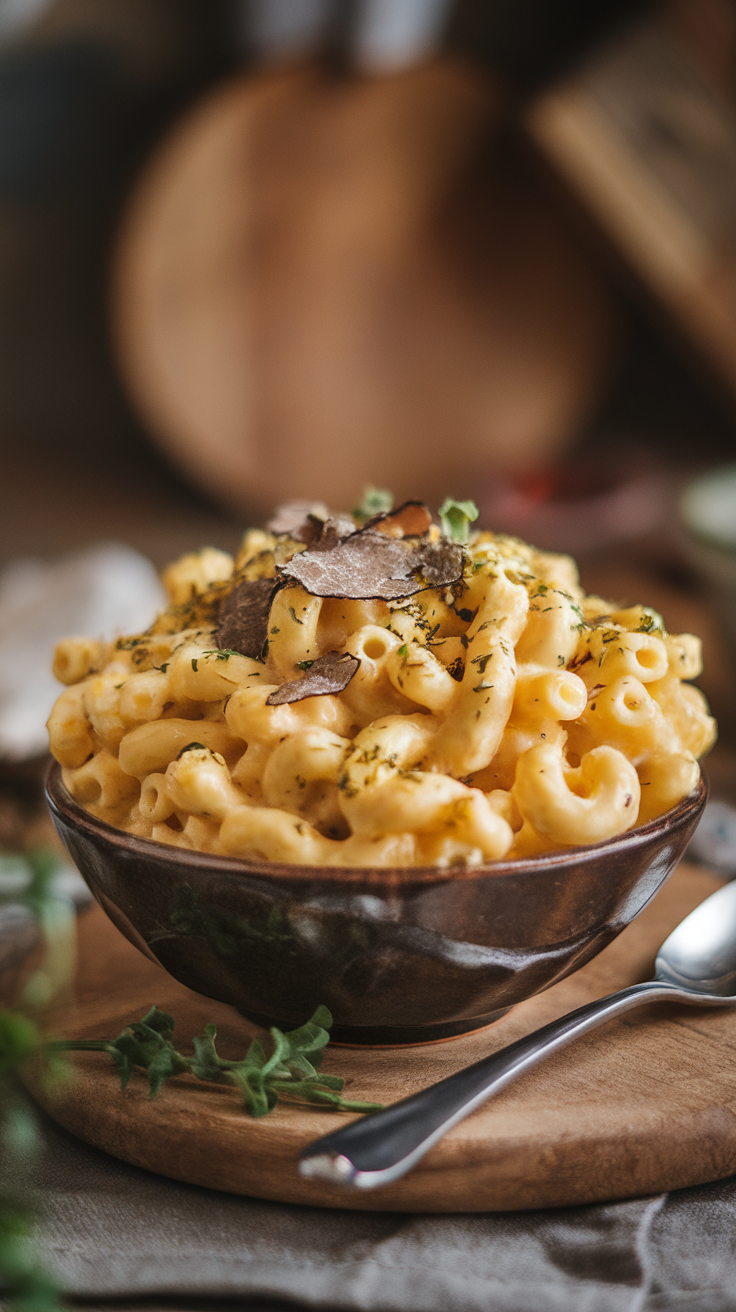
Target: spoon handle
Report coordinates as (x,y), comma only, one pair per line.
(377,1149)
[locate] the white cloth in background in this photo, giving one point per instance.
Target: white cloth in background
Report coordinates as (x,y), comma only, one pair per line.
(104,591)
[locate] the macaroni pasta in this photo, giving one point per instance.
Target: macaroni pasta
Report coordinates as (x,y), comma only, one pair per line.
(501,715)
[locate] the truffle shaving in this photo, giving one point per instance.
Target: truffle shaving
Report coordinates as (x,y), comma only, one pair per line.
(302,520)
(441,562)
(368,565)
(328,674)
(243,621)
(333,531)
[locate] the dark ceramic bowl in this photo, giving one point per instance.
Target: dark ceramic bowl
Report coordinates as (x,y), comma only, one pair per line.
(398,956)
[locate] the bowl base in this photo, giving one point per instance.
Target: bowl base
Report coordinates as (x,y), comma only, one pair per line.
(389,1036)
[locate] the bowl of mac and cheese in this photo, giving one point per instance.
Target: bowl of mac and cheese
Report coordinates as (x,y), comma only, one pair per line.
(412,773)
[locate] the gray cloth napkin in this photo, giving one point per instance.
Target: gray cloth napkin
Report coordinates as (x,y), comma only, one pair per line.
(108,1230)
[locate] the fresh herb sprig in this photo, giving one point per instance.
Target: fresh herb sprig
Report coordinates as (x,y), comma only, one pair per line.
(290,1070)
(456,518)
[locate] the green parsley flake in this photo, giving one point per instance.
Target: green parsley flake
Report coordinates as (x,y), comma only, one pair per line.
(376,501)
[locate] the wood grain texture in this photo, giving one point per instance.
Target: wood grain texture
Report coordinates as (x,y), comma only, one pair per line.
(645,1104)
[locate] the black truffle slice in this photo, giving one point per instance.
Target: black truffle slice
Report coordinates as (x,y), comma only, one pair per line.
(243,621)
(332,531)
(328,674)
(413,519)
(302,520)
(369,565)
(440,562)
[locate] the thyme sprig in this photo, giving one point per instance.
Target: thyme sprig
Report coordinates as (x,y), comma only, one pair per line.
(290,1070)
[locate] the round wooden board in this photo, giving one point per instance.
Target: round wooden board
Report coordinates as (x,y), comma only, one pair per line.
(644,1104)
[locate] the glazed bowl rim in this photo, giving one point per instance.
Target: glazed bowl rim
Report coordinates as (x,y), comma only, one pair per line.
(63,804)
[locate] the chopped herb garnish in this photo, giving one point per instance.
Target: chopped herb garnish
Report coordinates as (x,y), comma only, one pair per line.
(651,621)
(404,651)
(304,665)
(290,1071)
(219,653)
(456,518)
(482,687)
(292,612)
(194,664)
(376,501)
(482,661)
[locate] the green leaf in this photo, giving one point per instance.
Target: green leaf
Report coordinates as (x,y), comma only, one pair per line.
(376,501)
(456,518)
(158,1021)
(165,1063)
(206,1064)
(18,1038)
(147,1043)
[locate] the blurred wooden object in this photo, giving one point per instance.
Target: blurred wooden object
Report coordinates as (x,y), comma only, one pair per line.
(645,134)
(326,281)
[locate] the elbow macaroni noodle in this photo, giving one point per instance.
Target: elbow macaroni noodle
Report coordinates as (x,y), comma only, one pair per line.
(500,717)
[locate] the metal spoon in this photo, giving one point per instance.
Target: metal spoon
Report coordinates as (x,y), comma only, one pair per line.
(696,964)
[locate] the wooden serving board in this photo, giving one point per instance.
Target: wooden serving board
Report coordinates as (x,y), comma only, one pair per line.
(645,1104)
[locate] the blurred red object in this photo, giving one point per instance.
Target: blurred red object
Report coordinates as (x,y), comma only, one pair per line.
(577,506)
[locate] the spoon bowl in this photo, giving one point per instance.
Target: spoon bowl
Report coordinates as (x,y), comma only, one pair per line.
(700,954)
